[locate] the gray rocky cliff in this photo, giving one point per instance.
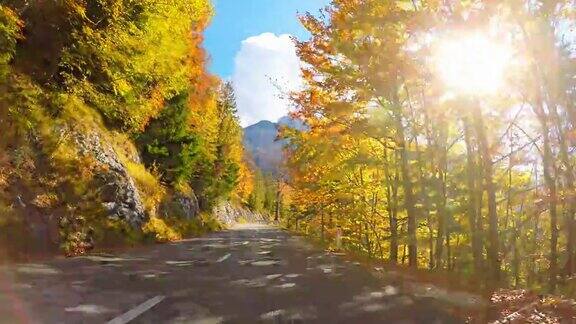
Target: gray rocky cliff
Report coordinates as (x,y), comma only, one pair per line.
(230,214)
(182,205)
(119,193)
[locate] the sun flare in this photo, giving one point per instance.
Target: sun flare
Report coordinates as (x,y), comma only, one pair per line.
(472,64)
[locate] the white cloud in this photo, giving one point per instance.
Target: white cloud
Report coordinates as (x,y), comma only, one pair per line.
(266,68)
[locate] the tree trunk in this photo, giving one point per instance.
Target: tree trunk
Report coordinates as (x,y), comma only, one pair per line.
(549,179)
(490,187)
(404,254)
(442,213)
(473,216)
(569,182)
(277,207)
(409,200)
(322,227)
(393,236)
(424,197)
(369,243)
(392,199)
(516,256)
(431,263)
(531,271)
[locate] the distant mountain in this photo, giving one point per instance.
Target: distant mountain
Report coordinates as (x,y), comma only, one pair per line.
(291,122)
(261,144)
(260,141)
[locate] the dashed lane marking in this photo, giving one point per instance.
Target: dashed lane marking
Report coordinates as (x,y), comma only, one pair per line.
(137,311)
(222,259)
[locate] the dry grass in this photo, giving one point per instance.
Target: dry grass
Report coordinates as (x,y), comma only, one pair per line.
(151,190)
(173,229)
(161,231)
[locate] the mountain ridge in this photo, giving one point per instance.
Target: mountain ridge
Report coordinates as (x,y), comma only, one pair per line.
(263,146)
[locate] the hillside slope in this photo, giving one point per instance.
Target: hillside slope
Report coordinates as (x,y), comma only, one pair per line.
(112,128)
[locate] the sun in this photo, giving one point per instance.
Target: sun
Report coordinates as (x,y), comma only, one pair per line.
(472,64)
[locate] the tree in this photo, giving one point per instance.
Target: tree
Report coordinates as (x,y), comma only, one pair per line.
(168,142)
(401,164)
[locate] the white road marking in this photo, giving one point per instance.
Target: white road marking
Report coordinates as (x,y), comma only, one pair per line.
(37,269)
(87,309)
(222,259)
(265,263)
(274,276)
(137,311)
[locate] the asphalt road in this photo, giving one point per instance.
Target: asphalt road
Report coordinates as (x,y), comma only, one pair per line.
(250,274)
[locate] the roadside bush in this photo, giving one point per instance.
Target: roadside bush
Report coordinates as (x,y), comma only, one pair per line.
(174,228)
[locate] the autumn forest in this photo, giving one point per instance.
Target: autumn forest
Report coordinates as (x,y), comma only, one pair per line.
(440,135)
(428,135)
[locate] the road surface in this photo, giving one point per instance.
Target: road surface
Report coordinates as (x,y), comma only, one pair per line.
(252,274)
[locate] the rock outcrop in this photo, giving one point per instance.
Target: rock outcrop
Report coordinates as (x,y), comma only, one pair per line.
(230,214)
(184,206)
(119,194)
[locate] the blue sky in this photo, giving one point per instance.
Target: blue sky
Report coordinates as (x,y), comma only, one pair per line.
(249,43)
(236,20)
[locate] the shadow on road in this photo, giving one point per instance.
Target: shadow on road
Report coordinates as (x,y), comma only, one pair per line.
(251,273)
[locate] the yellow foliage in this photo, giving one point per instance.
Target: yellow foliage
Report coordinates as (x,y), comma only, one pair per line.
(113,81)
(47,200)
(183,188)
(3,178)
(77,113)
(150,188)
(210,223)
(245,184)
(173,229)
(242,220)
(123,145)
(161,231)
